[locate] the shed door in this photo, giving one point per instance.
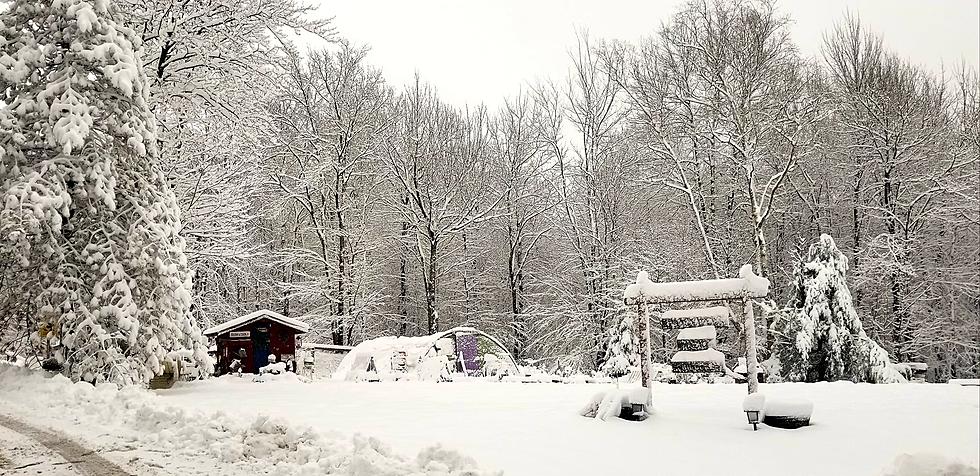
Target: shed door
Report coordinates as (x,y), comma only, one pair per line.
(261,341)
(230,353)
(467,346)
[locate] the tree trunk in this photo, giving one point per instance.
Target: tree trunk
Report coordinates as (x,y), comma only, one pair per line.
(342,310)
(516,282)
(403,280)
(432,316)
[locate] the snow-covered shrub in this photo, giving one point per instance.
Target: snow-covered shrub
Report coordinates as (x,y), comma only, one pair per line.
(88,224)
(773,369)
(821,336)
(621,352)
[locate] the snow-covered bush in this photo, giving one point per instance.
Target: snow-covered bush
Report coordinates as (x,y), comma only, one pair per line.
(821,336)
(88,224)
(621,352)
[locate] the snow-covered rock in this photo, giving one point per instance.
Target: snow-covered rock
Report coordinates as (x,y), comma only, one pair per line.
(610,404)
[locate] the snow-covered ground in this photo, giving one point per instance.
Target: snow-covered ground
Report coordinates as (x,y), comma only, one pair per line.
(144,434)
(534,429)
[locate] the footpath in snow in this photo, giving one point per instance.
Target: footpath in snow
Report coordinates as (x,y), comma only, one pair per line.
(143,433)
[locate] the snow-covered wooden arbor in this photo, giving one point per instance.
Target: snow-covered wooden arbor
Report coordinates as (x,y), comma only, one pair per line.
(697,326)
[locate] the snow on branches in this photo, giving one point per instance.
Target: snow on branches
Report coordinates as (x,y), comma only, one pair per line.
(823,338)
(89,223)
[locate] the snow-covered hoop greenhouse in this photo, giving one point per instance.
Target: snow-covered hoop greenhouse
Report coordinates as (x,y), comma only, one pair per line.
(460,350)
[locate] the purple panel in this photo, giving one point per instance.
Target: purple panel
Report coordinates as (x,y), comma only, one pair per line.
(466,344)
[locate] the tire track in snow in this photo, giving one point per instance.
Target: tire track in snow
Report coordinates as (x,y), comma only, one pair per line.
(84,460)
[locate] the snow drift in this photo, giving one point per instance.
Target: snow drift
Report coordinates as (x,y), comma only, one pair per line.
(262,445)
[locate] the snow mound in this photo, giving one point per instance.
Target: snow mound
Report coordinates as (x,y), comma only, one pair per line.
(796,408)
(261,445)
(920,464)
(607,405)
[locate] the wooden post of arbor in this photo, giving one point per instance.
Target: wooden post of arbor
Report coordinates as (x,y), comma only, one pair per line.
(751,360)
(643,313)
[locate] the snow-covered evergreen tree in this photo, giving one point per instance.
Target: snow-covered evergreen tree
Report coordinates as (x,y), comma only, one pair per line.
(88,222)
(822,336)
(622,349)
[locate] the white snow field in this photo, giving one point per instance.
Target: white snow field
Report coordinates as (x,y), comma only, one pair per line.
(519,429)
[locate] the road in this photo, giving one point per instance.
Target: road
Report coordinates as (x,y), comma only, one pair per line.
(28,450)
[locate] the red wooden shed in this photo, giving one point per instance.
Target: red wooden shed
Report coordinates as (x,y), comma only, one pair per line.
(259,334)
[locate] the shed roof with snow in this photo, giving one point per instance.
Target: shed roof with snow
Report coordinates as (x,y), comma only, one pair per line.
(233,324)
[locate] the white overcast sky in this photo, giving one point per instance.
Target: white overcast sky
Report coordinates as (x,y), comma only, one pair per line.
(480,51)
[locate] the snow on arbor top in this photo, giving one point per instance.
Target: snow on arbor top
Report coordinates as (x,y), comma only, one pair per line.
(747,284)
(699,333)
(264,313)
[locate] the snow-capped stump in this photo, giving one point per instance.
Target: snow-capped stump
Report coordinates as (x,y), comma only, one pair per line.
(754,402)
(788,414)
(696,338)
(698,361)
(692,318)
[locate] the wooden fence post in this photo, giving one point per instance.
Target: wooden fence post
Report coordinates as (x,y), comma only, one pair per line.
(643,313)
(751,360)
